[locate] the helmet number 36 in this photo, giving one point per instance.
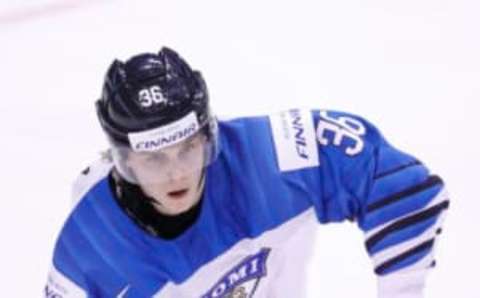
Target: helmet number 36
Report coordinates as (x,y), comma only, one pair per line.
(339,129)
(150,96)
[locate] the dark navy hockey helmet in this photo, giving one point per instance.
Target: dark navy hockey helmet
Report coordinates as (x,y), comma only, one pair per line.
(148,91)
(152,102)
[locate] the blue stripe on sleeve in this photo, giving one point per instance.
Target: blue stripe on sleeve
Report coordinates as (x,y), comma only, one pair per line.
(399,208)
(411,259)
(390,159)
(397,182)
(403,235)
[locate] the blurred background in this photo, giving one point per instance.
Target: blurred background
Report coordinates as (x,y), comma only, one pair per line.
(410,67)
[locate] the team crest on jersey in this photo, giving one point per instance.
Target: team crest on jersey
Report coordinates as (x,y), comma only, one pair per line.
(242,280)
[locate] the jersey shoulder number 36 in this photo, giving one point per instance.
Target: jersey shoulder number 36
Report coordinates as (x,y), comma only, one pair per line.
(341,130)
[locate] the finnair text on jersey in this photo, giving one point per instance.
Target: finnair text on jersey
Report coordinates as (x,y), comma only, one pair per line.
(300,141)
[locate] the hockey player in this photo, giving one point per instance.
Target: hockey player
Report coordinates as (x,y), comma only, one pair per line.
(184,205)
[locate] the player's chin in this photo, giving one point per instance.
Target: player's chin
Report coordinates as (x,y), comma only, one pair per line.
(179,208)
(179,202)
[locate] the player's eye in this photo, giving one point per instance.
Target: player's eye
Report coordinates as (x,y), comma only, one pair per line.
(189,146)
(187,150)
(155,158)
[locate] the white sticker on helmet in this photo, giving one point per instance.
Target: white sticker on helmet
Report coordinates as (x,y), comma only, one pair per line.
(164,136)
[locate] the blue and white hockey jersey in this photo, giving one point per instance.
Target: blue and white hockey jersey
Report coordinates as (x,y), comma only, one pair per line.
(274,180)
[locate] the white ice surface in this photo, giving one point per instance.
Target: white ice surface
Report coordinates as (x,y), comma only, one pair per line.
(411,67)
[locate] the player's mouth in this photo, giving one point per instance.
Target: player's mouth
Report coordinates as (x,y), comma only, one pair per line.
(178,194)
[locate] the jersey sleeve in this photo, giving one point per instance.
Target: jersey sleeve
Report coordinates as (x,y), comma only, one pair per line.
(396,201)
(61,285)
(401,217)
(66,277)
(392,196)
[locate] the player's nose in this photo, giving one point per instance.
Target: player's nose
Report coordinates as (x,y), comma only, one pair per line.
(177,171)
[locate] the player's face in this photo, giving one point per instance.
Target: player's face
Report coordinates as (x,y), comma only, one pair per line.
(172,176)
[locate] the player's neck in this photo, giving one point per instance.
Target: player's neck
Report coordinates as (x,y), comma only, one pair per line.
(142,212)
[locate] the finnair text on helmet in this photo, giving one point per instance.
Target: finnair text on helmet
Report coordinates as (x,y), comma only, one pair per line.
(167,135)
(300,141)
(168,140)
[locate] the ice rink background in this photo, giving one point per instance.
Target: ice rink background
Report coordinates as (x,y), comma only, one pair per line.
(411,67)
